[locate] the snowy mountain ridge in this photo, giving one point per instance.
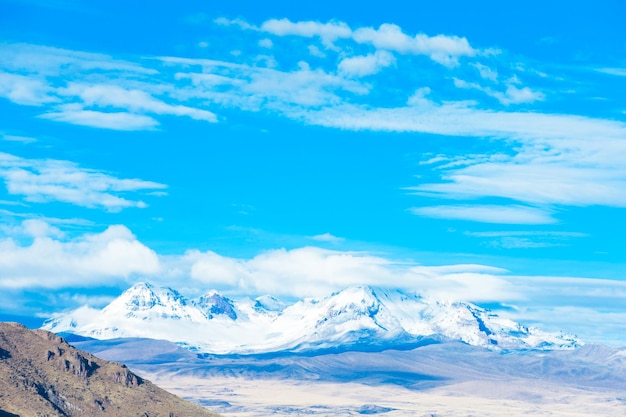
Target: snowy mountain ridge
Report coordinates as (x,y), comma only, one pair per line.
(358,316)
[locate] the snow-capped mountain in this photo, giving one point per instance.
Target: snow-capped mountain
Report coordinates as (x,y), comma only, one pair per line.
(357,317)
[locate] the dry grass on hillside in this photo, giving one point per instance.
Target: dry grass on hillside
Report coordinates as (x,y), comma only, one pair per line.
(42,375)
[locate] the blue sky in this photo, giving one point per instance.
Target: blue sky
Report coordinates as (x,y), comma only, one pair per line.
(467,151)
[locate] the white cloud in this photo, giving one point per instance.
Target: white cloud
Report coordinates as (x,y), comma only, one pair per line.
(542,160)
(523,243)
(360,66)
(306,87)
(534,181)
(592,325)
(234,22)
(462,118)
(50,61)
(328,32)
(38,75)
(591,308)
(488,214)
(315,51)
(33,227)
(217,270)
(620,72)
(525,233)
(24,90)
(527,239)
(39,228)
(512,94)
(115,255)
(312,271)
(103,120)
(253,88)
(17,138)
(486,72)
(547,159)
(515,95)
(419,97)
(135,100)
(443,49)
(266,43)
(68,222)
(56,180)
(327,237)
(106,258)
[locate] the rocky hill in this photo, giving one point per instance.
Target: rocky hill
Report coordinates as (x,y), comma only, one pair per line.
(42,375)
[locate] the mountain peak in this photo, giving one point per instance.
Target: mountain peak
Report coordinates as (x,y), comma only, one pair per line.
(359,298)
(214,304)
(361,294)
(144,301)
(268,303)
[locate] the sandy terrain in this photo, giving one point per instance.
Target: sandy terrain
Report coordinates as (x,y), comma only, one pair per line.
(239,397)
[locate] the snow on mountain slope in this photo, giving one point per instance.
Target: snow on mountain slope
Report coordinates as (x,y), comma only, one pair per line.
(358,316)
(214,305)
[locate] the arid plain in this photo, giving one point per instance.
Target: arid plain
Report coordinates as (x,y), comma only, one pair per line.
(241,397)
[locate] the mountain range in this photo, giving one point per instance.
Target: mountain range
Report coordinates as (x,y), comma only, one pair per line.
(357,318)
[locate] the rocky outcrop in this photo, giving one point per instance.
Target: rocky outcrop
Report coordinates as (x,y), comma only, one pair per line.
(42,375)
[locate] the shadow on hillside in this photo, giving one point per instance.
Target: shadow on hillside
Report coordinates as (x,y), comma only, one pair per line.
(4,354)
(6,414)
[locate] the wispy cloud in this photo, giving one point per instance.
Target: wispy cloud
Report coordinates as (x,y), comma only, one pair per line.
(34,228)
(443,49)
(105,120)
(543,160)
(17,138)
(517,239)
(103,95)
(488,214)
(52,61)
(53,221)
(327,237)
(620,72)
(486,72)
(329,32)
(596,325)
(525,233)
(511,95)
(25,90)
(56,180)
(36,75)
(360,66)
(540,160)
(465,118)
(255,88)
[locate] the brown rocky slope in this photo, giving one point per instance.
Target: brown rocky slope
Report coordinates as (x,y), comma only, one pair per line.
(42,375)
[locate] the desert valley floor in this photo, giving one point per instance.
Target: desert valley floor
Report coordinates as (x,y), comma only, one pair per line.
(241,397)
(438,380)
